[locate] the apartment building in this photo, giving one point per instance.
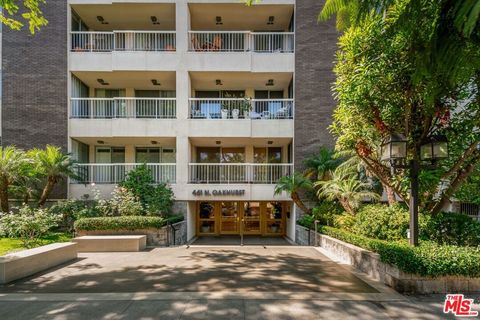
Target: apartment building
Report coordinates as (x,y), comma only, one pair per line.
(218,99)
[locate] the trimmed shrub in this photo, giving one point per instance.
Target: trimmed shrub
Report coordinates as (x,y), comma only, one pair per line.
(122,223)
(326,212)
(451,228)
(345,221)
(382,222)
(428,259)
(122,203)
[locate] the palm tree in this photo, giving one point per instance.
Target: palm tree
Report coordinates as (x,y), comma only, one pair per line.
(54,165)
(320,165)
(346,188)
(12,161)
(293,185)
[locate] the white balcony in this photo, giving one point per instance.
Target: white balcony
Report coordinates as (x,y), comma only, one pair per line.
(238,108)
(241,41)
(123,41)
(110,108)
(114,173)
(237,173)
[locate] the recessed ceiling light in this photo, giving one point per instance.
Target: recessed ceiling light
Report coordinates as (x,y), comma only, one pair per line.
(101,20)
(103,82)
(269,83)
(218,142)
(270,142)
(154,20)
(100,142)
(155,82)
(271,20)
(218,20)
(154,142)
(219,82)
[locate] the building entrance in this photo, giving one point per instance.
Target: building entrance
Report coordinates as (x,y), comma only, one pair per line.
(242,217)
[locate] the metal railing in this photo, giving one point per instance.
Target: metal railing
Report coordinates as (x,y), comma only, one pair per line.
(233,108)
(232,173)
(241,41)
(88,41)
(113,173)
(108,108)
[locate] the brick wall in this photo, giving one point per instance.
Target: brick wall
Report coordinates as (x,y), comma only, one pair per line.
(316,44)
(34,108)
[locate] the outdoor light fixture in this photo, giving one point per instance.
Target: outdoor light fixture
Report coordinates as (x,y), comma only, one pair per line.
(103,82)
(218,142)
(154,142)
(154,20)
(100,141)
(270,83)
(218,82)
(101,20)
(218,20)
(270,142)
(435,149)
(394,148)
(155,82)
(271,20)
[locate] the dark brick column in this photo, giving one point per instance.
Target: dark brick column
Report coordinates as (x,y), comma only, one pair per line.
(34,103)
(34,83)
(316,44)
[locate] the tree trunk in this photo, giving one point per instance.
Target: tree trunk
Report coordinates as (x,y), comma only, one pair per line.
(46,191)
(4,196)
(392,199)
(453,187)
(296,199)
(346,205)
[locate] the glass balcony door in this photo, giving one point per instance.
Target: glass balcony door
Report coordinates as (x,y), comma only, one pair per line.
(105,173)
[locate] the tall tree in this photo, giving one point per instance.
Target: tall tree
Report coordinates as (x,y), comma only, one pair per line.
(54,165)
(12,163)
(321,164)
(28,10)
(394,76)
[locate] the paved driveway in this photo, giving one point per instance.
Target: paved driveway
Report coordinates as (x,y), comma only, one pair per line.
(205,282)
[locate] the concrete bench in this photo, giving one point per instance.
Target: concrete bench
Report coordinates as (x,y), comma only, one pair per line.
(24,263)
(117,243)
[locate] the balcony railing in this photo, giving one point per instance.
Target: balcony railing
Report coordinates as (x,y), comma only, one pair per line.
(123,41)
(233,108)
(233,173)
(113,173)
(108,108)
(241,41)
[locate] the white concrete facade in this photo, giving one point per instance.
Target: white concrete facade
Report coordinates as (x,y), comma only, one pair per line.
(185,71)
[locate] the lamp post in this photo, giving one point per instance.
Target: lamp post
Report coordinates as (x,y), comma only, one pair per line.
(394,151)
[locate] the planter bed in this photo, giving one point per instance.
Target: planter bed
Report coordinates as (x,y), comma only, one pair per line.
(370,263)
(24,263)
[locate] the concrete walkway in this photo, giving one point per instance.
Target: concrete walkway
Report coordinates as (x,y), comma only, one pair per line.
(204,282)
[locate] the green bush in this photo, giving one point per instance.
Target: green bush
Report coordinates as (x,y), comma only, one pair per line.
(28,224)
(121,223)
(451,228)
(306,221)
(71,210)
(428,259)
(156,199)
(382,222)
(345,221)
(122,203)
(326,212)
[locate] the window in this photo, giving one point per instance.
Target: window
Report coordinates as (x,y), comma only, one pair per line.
(110,155)
(155,155)
(109,93)
(233,155)
(267,155)
(208,155)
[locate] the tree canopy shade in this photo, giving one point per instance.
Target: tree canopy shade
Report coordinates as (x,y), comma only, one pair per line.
(28,10)
(410,67)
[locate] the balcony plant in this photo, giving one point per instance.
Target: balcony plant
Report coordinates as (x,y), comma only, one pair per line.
(246,107)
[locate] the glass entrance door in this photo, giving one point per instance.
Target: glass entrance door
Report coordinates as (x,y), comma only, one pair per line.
(230,216)
(252,222)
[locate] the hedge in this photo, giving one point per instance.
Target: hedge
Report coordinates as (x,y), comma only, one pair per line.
(428,259)
(124,223)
